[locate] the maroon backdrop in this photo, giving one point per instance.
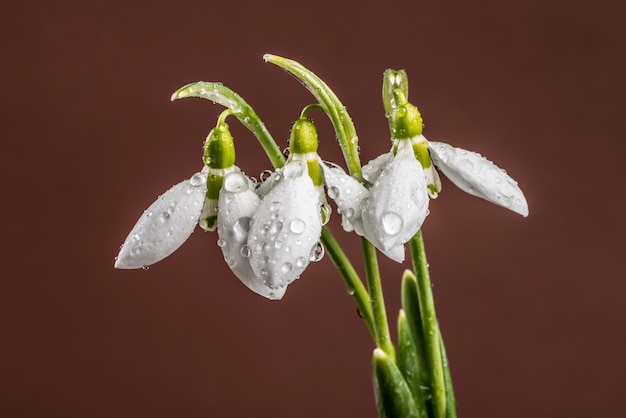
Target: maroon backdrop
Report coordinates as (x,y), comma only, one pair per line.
(531,308)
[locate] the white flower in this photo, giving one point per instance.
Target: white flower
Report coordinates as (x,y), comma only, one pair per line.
(285,229)
(474,174)
(238,203)
(165,225)
(391,212)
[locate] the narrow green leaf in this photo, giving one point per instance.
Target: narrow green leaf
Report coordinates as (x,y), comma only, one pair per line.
(409,364)
(411,308)
(450,399)
(395,396)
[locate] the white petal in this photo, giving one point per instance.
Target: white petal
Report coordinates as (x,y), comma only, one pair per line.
(396,253)
(286,228)
(347,193)
(398,202)
(372,170)
(165,225)
(476,175)
(266,186)
(237,205)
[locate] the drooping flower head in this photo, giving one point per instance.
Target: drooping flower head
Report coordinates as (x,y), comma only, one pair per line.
(285,230)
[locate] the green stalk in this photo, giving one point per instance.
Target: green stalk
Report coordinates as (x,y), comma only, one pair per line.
(372,273)
(352,281)
(218,93)
(336,111)
(432,337)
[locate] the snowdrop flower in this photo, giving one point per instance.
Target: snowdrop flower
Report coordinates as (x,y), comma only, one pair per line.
(394,208)
(285,229)
(238,203)
(169,221)
(219,197)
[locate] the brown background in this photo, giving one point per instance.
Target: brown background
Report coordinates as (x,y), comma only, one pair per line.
(532,309)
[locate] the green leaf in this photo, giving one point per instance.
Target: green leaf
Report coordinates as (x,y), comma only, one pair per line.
(450,399)
(409,364)
(411,308)
(394,395)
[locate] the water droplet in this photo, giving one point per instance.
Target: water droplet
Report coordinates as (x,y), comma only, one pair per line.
(301,262)
(350,212)
(197,179)
(276,227)
(245,251)
(325,212)
(297,226)
(235,182)
(392,223)
(165,216)
(286,153)
(145,267)
(278,244)
(221,242)
(286,267)
(263,272)
(317,252)
(275,206)
(333,193)
(241,227)
(265,174)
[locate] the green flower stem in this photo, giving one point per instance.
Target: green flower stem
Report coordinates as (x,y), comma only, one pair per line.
(432,337)
(352,281)
(372,273)
(218,93)
(336,111)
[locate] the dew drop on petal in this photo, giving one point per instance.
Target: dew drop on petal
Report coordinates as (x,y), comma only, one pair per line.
(265,174)
(241,227)
(275,206)
(286,267)
(392,223)
(325,212)
(245,251)
(221,242)
(197,179)
(317,252)
(300,262)
(235,182)
(297,226)
(275,227)
(333,193)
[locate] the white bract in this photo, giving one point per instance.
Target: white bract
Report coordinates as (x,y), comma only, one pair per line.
(165,225)
(474,174)
(285,229)
(238,203)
